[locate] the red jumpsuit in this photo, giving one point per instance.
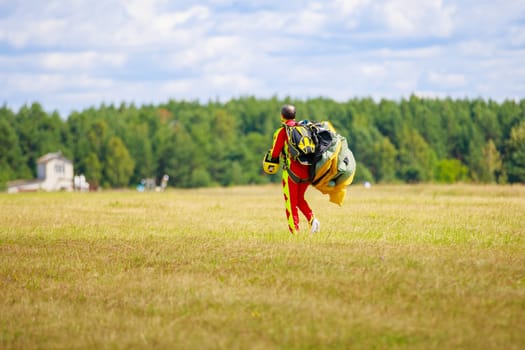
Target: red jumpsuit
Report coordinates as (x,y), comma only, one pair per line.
(295,180)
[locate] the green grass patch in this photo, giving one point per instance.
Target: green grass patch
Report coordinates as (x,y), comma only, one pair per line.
(396,267)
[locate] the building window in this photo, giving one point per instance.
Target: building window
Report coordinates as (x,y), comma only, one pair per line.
(60,168)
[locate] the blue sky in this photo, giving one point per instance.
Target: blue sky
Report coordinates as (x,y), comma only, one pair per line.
(76,54)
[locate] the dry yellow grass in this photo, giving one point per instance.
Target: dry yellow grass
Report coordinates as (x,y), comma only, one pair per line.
(406,267)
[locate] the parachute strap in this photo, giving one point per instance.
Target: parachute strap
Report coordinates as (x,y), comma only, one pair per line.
(296,178)
(293,176)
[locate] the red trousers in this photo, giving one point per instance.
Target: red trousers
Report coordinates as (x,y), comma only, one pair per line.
(294,201)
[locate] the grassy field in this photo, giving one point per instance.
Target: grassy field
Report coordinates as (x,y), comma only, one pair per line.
(396,267)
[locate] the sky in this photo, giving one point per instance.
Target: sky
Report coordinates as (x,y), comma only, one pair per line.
(70,55)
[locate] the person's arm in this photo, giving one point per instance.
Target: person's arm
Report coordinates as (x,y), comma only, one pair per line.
(279,138)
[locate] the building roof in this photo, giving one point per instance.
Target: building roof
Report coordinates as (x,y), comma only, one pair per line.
(50,156)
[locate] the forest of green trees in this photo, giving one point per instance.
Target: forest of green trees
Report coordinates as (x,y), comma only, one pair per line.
(222,144)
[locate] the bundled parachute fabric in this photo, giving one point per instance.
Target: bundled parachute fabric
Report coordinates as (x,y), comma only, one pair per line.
(334,168)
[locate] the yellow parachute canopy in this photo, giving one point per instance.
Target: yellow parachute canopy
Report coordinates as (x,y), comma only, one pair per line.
(335,171)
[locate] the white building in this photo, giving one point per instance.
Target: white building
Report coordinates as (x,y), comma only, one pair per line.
(54,173)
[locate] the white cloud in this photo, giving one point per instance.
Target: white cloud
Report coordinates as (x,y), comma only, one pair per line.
(473,49)
(374,71)
(149,25)
(447,80)
(119,23)
(41,32)
(350,7)
(517,36)
(421,18)
(74,56)
(428,52)
(234,82)
(80,61)
(311,20)
(52,83)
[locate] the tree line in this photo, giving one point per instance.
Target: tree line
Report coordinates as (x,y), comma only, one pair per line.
(222,144)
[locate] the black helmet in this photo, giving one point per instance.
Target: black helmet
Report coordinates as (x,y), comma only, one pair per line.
(288,111)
